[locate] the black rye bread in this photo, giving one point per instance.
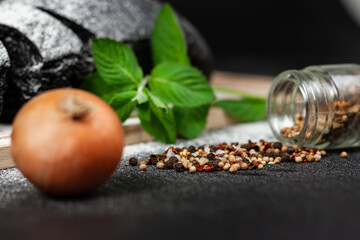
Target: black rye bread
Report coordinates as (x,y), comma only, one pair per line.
(4,67)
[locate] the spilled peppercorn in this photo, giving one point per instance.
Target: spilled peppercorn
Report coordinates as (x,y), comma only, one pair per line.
(230,157)
(133,161)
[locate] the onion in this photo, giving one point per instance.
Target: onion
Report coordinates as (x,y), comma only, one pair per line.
(67,141)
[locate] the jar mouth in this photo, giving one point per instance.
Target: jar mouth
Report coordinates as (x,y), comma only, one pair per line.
(288,108)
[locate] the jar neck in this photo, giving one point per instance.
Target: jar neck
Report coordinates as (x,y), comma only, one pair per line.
(299,100)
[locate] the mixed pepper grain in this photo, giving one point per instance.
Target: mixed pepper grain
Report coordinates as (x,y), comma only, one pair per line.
(344,120)
(229,157)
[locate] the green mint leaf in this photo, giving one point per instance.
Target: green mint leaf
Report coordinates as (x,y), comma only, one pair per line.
(156,101)
(144,108)
(143,111)
(143,105)
(181,85)
(190,122)
(99,87)
(245,109)
(159,125)
(240,94)
(167,42)
(116,63)
(122,104)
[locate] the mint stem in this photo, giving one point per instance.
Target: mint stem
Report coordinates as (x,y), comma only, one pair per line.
(238,93)
(143,83)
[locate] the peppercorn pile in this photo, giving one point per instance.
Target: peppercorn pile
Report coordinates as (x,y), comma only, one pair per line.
(293,131)
(229,157)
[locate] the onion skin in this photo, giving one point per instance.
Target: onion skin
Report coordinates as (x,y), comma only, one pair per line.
(64,155)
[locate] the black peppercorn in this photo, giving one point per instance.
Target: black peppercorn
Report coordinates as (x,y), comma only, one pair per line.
(153,159)
(173,159)
(192,149)
(273,154)
(213,163)
(284,156)
(169,165)
(201,147)
(256,148)
(133,161)
(246,146)
(210,156)
(290,150)
(277,145)
(179,167)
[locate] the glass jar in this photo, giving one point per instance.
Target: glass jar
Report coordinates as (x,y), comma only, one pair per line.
(318,106)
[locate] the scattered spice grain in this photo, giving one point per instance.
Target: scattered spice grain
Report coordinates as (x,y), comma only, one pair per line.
(143,167)
(317,157)
(160,165)
(192,169)
(133,161)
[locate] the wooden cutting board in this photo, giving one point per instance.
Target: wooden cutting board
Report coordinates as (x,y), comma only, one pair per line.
(252,84)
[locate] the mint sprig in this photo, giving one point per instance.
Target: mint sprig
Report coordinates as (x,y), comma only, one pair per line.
(174,98)
(169,46)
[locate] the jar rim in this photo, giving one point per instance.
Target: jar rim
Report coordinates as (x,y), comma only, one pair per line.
(293,79)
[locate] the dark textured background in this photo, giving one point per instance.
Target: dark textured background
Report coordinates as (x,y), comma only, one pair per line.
(268,37)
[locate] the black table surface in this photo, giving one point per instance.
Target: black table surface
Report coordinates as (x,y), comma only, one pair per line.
(283,201)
